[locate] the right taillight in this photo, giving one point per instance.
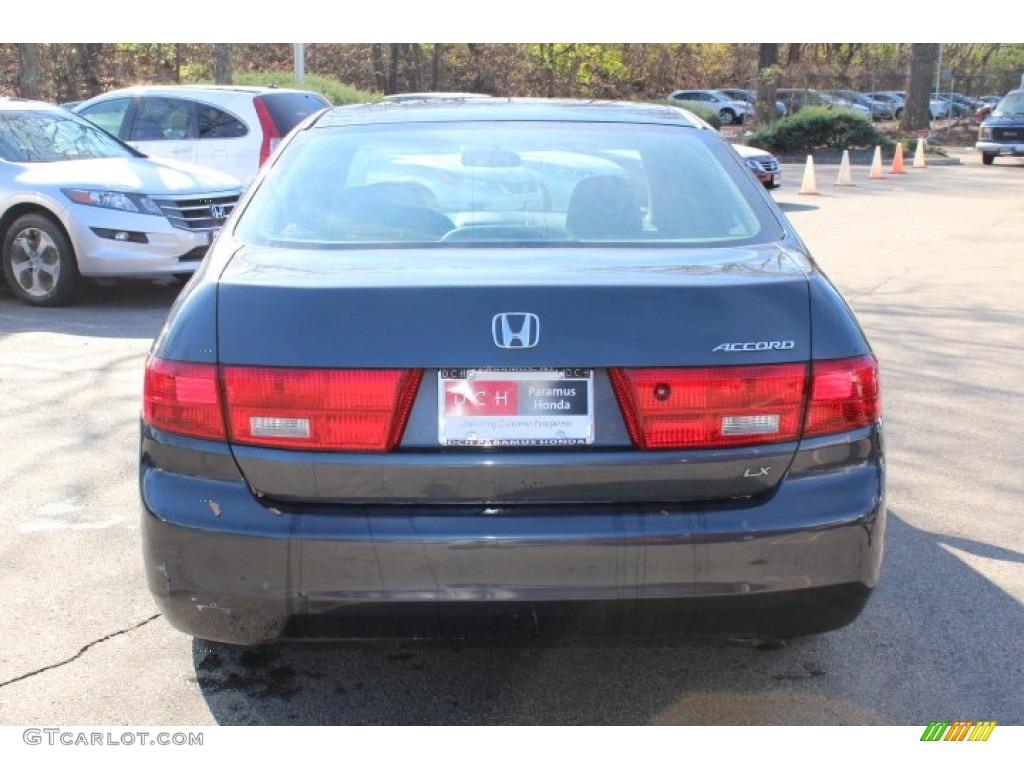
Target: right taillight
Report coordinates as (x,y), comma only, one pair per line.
(844,395)
(718,407)
(271,136)
(735,406)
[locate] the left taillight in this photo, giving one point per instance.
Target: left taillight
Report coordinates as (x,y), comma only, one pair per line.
(183,398)
(309,409)
(319,409)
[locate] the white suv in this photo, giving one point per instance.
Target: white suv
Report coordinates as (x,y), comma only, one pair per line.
(230,128)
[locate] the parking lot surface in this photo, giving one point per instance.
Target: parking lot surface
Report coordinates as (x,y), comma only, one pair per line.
(930,262)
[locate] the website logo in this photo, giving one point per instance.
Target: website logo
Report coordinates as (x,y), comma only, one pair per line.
(958,730)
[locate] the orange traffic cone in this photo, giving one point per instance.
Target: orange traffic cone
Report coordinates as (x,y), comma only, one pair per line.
(897,159)
(876,165)
(919,155)
(809,185)
(845,178)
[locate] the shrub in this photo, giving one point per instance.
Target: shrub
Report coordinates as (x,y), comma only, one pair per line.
(818,128)
(335,91)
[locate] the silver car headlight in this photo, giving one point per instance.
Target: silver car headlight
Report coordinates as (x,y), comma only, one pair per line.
(754,165)
(985,132)
(118,201)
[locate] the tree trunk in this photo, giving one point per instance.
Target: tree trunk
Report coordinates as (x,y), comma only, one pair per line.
(479,82)
(437,68)
(380,77)
(222,74)
(924,59)
(416,70)
(767,82)
(396,55)
(30,78)
(88,58)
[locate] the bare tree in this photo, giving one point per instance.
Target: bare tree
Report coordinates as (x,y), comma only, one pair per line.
(30,78)
(924,59)
(767,82)
(222,74)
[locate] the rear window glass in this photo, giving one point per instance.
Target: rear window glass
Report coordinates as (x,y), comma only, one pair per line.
(160,119)
(213,123)
(499,183)
(289,109)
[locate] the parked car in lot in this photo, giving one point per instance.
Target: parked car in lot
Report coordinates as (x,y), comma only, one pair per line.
(229,128)
(729,110)
(76,202)
(796,99)
(764,165)
(643,411)
(938,109)
(841,103)
(749,96)
(985,105)
(879,109)
(956,103)
(895,102)
(1001,134)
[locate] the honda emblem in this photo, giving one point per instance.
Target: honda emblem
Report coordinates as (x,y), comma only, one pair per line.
(516,330)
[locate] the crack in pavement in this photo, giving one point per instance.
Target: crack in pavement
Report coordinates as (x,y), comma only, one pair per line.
(81,650)
(853,296)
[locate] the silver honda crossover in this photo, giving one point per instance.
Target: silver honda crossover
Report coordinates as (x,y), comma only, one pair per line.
(77,203)
(635,408)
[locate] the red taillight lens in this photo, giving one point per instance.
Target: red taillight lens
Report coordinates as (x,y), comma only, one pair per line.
(183,398)
(844,396)
(319,409)
(271,136)
(711,407)
(682,408)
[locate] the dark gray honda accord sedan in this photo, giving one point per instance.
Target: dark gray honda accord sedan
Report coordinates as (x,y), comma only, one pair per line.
(510,367)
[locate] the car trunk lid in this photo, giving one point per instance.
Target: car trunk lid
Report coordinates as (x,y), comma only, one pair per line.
(541,320)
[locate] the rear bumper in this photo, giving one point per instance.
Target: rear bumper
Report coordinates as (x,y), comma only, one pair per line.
(225,566)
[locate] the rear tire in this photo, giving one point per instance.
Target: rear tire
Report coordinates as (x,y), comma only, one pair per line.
(727,116)
(988,157)
(39,262)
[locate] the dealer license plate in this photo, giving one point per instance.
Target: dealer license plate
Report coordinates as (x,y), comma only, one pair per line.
(516,407)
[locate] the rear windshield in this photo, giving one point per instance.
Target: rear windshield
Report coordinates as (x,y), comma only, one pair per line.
(506,182)
(289,109)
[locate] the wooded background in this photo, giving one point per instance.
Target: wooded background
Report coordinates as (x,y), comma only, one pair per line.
(61,72)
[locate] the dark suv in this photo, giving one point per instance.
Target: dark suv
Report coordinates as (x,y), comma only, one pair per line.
(1002,133)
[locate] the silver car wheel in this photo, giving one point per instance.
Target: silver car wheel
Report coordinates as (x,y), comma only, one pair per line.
(35,262)
(39,261)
